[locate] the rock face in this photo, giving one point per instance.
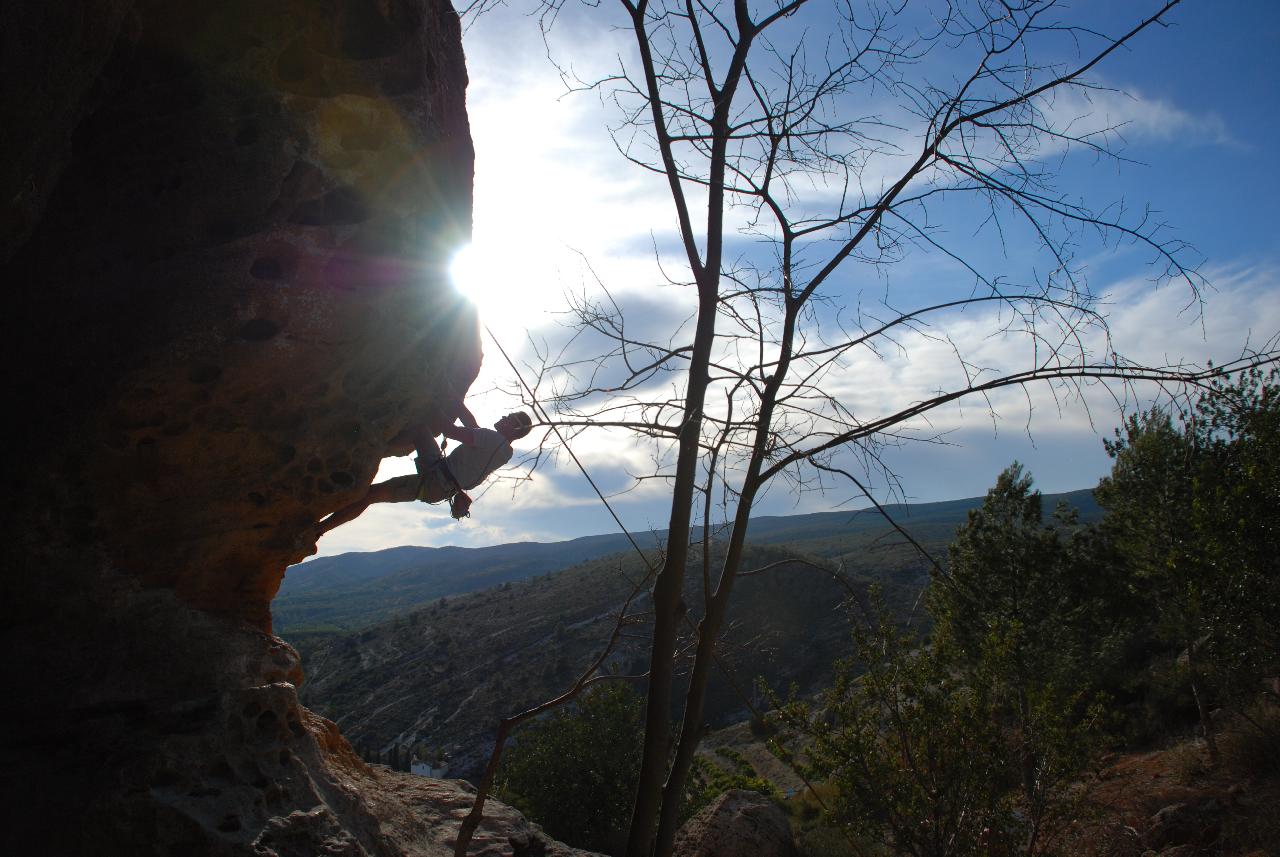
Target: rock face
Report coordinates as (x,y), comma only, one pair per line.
(223,236)
(739,823)
(234,289)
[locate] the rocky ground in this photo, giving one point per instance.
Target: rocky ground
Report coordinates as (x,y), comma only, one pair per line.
(1172,803)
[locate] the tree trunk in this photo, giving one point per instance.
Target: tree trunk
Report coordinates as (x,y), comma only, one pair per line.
(1202,704)
(718,604)
(668,597)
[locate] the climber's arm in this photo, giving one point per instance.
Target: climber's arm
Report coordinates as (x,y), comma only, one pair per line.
(462,434)
(464,416)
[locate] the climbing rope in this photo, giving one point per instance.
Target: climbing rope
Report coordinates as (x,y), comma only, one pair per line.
(546,419)
(728,672)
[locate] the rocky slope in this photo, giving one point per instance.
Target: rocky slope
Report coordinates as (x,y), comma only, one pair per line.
(224,232)
(434,677)
(436,681)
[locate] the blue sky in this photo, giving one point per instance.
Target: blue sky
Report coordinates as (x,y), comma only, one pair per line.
(1197,122)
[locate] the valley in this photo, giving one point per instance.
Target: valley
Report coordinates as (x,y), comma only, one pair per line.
(432,677)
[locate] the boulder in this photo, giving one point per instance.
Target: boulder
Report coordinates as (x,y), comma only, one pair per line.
(739,823)
(1184,824)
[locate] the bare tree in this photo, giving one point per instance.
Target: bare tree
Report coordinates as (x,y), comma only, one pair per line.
(507,725)
(808,145)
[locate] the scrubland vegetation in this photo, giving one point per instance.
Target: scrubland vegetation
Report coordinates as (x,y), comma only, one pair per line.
(1070,678)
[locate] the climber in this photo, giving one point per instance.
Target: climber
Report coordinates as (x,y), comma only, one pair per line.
(479,452)
(455,421)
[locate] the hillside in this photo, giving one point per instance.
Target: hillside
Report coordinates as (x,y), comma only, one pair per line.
(438,677)
(831,534)
(355,590)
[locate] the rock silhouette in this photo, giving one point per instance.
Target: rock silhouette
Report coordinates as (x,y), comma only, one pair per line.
(225,230)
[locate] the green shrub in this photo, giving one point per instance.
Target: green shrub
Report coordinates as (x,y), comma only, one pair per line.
(708,780)
(575,771)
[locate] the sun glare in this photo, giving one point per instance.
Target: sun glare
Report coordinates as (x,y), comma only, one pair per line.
(514,284)
(485,276)
(466,271)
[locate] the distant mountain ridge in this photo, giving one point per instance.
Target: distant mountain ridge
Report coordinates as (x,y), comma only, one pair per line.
(793,529)
(362,567)
(353,590)
(434,676)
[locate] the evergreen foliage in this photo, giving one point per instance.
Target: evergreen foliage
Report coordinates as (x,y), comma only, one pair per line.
(972,745)
(1047,593)
(1031,614)
(912,749)
(574,772)
(1191,505)
(1236,514)
(708,780)
(979,742)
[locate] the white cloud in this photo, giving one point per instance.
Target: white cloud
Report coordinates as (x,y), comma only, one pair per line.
(1134,116)
(1149,325)
(550,187)
(552,193)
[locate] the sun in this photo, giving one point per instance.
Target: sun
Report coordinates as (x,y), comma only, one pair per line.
(513,284)
(467,271)
(483,273)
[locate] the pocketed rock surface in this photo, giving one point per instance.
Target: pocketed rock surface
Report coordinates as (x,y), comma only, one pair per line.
(224,230)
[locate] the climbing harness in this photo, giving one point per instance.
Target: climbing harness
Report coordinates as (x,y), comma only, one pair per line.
(459,501)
